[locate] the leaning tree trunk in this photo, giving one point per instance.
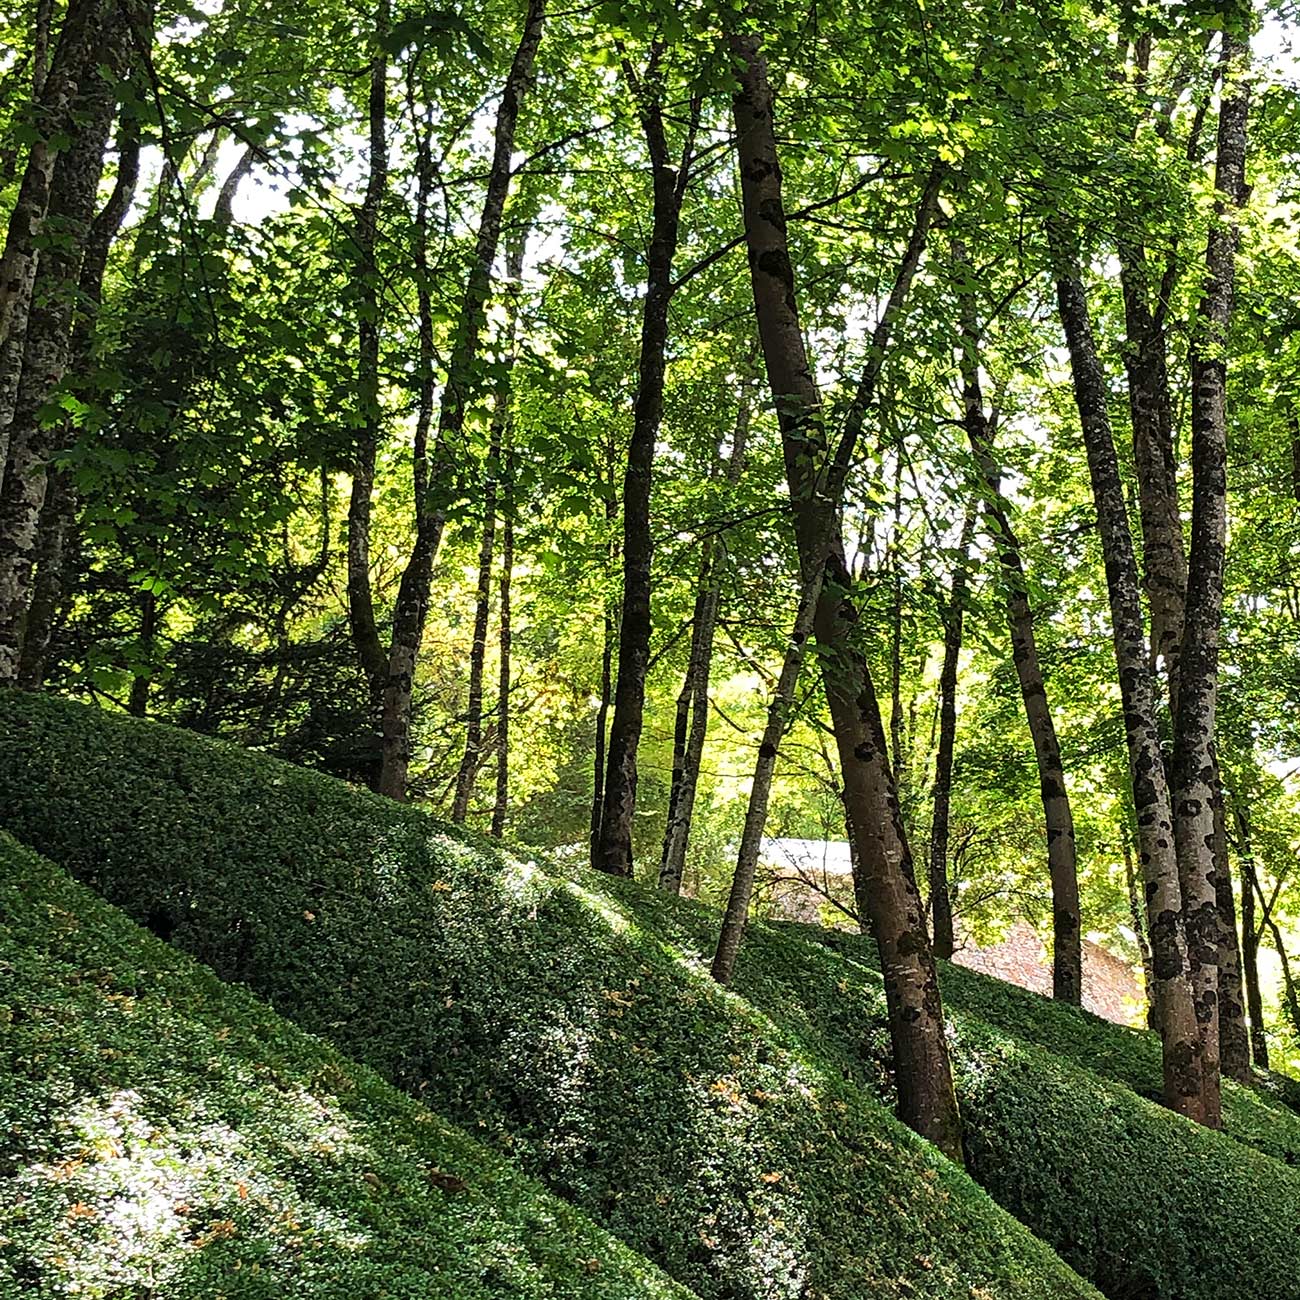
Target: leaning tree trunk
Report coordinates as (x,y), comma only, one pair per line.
(73,188)
(692,721)
(457,396)
(1175,1015)
(888,894)
(614,846)
(1198,662)
(1062,856)
(953,620)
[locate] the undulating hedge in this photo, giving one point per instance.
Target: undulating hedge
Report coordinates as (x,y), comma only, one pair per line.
(537,1010)
(165,1135)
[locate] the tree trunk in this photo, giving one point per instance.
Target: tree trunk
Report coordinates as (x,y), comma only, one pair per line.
(472,760)
(56,118)
(887,888)
(457,397)
(1139,926)
(361,606)
(1234,1040)
(138,701)
(1151,802)
(954,616)
(692,720)
(1250,937)
(53,299)
(501,802)
(1198,661)
(1062,858)
(618,808)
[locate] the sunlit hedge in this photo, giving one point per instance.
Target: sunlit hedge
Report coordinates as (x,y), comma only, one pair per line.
(536,1010)
(163,1134)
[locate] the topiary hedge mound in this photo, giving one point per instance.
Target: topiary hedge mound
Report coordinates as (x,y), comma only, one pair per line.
(166,1135)
(533,1009)
(733,1139)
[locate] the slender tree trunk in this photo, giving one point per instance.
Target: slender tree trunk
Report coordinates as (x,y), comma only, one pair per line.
(736,915)
(1234,1040)
(954,616)
(1139,926)
(614,851)
(473,757)
(47,341)
(897,723)
(458,395)
(692,720)
(223,214)
(1151,802)
(361,606)
(138,701)
(501,801)
(1250,937)
(887,890)
(1198,661)
(1062,856)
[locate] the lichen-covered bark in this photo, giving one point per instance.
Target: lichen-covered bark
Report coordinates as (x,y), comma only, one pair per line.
(1250,936)
(886,886)
(1194,767)
(54,290)
(1151,802)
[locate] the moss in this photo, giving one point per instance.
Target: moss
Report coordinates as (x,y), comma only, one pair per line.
(165,1134)
(542,1012)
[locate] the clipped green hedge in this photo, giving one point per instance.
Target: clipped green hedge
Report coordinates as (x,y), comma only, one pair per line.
(163,1134)
(536,1010)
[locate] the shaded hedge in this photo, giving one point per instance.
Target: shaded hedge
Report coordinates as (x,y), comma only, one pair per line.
(539,1011)
(163,1134)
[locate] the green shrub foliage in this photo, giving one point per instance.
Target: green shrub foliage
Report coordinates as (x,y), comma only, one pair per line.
(533,1008)
(167,1135)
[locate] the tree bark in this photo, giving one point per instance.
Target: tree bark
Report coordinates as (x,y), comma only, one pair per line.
(457,396)
(692,719)
(618,808)
(953,620)
(53,298)
(887,890)
(1139,926)
(1062,857)
(56,112)
(1198,662)
(1151,801)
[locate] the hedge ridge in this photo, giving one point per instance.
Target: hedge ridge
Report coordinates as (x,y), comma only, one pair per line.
(165,1134)
(539,1011)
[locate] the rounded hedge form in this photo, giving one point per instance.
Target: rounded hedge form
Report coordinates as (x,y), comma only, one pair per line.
(166,1135)
(538,1010)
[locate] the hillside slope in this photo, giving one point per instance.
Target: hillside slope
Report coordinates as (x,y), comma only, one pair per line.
(530,1008)
(166,1135)
(734,1139)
